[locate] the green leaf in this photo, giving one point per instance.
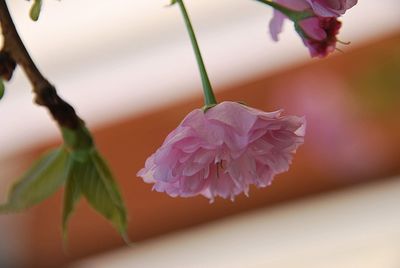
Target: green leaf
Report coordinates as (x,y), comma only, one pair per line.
(35,10)
(79,165)
(101,191)
(173,2)
(2,88)
(91,177)
(72,193)
(45,177)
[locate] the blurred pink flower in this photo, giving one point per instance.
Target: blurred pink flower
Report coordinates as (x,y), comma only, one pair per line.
(318,31)
(223,151)
(331,8)
(346,143)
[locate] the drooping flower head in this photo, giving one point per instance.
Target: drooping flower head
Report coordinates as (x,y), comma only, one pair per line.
(222,151)
(319,26)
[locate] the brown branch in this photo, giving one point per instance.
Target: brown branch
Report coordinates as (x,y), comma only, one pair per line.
(45,93)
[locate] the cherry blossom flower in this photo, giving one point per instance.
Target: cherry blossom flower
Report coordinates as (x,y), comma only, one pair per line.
(222,151)
(319,28)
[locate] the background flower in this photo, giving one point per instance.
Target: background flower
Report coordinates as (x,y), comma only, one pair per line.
(318,30)
(347,142)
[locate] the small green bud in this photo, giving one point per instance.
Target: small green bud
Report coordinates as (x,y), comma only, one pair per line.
(35,10)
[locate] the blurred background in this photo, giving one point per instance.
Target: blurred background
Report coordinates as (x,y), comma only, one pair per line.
(129,70)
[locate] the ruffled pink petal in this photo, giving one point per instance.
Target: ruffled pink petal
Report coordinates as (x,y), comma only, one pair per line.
(331,8)
(313,28)
(350,3)
(230,114)
(276,24)
(298,5)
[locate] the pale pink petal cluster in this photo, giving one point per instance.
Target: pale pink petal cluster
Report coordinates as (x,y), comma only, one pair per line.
(222,151)
(320,29)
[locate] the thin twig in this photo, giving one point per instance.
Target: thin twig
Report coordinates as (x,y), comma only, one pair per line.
(45,93)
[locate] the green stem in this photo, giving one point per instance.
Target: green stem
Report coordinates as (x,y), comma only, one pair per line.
(209,98)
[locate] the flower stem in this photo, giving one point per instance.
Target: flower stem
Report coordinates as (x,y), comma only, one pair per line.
(209,98)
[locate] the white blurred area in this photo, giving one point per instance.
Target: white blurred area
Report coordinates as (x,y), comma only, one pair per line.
(114,59)
(356,228)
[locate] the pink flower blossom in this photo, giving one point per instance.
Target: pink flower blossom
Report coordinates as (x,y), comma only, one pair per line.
(224,150)
(319,30)
(331,8)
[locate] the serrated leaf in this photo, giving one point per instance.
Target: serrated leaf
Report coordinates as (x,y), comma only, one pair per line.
(101,191)
(44,178)
(35,10)
(72,193)
(2,88)
(90,176)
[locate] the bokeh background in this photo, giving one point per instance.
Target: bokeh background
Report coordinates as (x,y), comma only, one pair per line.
(129,70)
